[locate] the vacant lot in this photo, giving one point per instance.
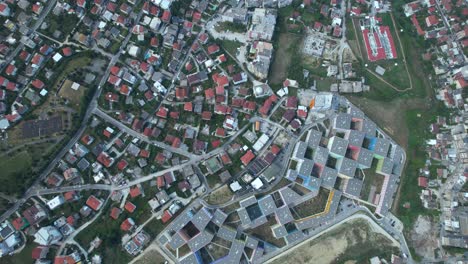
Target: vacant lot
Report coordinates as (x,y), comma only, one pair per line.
(220,196)
(151,256)
(15,172)
(279,68)
(72,95)
(355,241)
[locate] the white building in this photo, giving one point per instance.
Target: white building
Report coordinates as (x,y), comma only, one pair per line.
(47,235)
(56,202)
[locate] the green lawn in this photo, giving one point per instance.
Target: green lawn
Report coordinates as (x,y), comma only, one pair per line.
(230,26)
(416,121)
(230,46)
(16,171)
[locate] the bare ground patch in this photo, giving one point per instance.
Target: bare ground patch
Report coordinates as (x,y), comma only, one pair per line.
(282,60)
(354,241)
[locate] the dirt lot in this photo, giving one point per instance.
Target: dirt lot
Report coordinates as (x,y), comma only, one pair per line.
(74,96)
(352,242)
(151,256)
(220,196)
(279,68)
(424,237)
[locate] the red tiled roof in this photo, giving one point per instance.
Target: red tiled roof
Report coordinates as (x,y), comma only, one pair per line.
(38,252)
(69,195)
(226,159)
(10,69)
(67,51)
(154,42)
(19,223)
(196,16)
(166,216)
(130,207)
(206,115)
(248,157)
(122,164)
(124,89)
(220,132)
(212,49)
(37,84)
(24,55)
(115,213)
(422,182)
(144,153)
(160,181)
(275,149)
(71,220)
(113,80)
(209,93)
(162,112)
(166,16)
(174,115)
(127,224)
(64,260)
(94,203)
(115,70)
(188,106)
(432,20)
(135,191)
(160,158)
(104,159)
(216,143)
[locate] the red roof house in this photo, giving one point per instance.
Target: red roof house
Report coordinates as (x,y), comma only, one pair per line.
(166,216)
(248,157)
(115,213)
(38,84)
(130,207)
(127,224)
(135,191)
(94,203)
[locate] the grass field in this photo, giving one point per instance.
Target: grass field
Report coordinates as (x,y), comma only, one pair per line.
(284,45)
(230,45)
(372,178)
(313,206)
(73,96)
(16,172)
